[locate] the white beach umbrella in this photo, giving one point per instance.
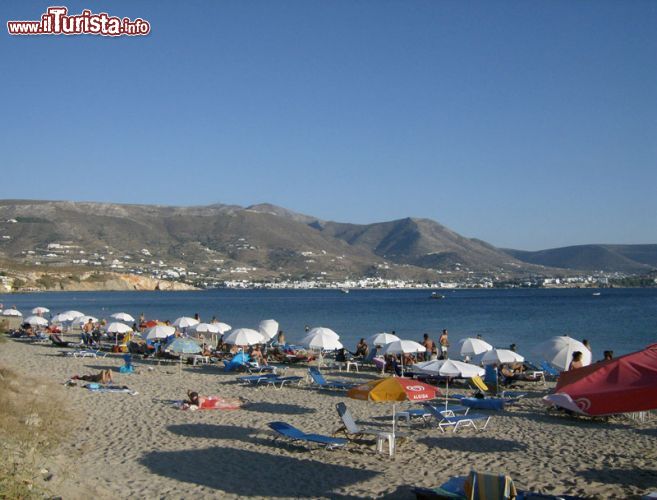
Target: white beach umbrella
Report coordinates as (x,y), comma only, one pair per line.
(473,347)
(40,310)
(501,357)
(116,327)
(244,336)
(382,339)
(205,328)
(268,328)
(403,347)
(83,320)
(449,368)
(36,321)
(185,322)
(72,314)
(122,316)
(322,330)
(223,327)
(558,351)
(321,342)
(159,332)
(11,312)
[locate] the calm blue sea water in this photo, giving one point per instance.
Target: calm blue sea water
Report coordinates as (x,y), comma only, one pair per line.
(623,320)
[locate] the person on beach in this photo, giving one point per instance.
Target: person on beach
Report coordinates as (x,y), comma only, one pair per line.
(586,344)
(87,330)
(281,338)
(361,349)
(428,345)
(103,377)
(444,344)
(257,355)
(608,356)
(576,361)
(197,317)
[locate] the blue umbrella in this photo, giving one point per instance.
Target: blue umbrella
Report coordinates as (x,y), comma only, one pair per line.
(181,345)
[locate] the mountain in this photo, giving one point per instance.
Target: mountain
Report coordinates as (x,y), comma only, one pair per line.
(631,259)
(231,242)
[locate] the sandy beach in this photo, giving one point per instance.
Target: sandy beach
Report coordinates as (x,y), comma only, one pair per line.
(123,445)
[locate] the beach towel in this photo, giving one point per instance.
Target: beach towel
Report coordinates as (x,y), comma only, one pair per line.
(94,387)
(484,485)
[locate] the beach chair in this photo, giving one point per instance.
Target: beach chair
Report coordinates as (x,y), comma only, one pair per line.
(445,420)
(349,426)
(294,435)
(239,362)
(278,382)
(549,370)
(477,485)
(255,379)
(319,380)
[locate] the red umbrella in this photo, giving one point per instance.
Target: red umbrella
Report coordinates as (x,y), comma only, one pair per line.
(622,385)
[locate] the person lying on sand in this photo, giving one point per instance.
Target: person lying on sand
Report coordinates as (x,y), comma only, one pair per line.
(103,377)
(196,402)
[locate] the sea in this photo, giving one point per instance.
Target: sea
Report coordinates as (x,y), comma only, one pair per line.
(622,319)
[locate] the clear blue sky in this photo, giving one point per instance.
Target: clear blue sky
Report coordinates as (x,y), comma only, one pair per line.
(526,124)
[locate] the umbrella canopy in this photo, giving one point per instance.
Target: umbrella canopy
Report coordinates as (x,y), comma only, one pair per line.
(40,310)
(501,357)
(117,327)
(449,368)
(205,328)
(244,336)
(81,320)
(382,338)
(11,312)
(183,346)
(622,385)
(558,351)
(403,347)
(121,316)
(394,389)
(185,322)
(73,314)
(36,321)
(473,347)
(159,332)
(268,328)
(223,327)
(323,330)
(321,341)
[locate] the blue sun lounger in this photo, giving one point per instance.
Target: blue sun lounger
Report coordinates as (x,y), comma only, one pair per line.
(293,434)
(255,379)
(319,379)
(455,421)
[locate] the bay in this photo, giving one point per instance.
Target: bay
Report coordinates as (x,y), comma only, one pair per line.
(623,320)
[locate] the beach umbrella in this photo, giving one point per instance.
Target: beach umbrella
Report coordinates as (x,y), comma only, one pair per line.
(40,310)
(205,328)
(268,328)
(116,328)
(558,351)
(382,339)
(473,347)
(72,314)
(501,357)
(321,341)
(121,316)
(394,389)
(159,332)
(223,327)
(36,321)
(12,312)
(185,322)
(244,337)
(403,347)
(82,320)
(449,368)
(181,345)
(322,330)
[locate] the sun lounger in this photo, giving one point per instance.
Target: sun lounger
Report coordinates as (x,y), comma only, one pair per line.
(278,382)
(319,380)
(293,434)
(255,379)
(349,426)
(445,420)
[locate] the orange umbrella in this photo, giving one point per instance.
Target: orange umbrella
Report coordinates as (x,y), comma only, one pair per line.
(394,389)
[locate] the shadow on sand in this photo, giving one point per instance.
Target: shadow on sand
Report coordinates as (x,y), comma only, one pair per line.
(273,476)
(211,431)
(472,444)
(640,478)
(277,408)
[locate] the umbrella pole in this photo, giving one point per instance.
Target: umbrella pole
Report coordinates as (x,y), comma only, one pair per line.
(446,392)
(402,367)
(394,424)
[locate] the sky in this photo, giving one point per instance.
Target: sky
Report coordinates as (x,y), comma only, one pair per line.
(529,125)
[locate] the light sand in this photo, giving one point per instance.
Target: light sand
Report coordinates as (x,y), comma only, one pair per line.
(140,446)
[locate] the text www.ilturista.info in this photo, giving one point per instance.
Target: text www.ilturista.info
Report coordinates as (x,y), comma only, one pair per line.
(56,21)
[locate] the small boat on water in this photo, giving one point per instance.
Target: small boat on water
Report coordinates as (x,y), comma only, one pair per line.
(596,294)
(436,295)
(344,290)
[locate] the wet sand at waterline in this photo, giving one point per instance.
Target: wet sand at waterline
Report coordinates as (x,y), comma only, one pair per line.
(123,445)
